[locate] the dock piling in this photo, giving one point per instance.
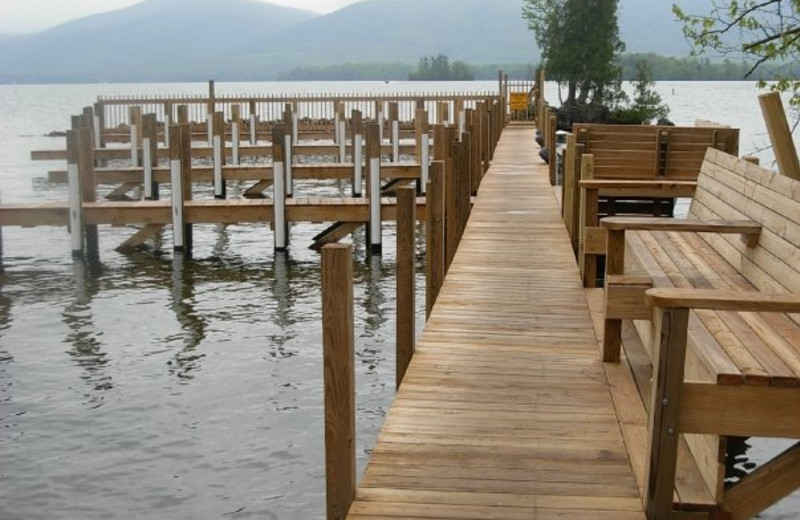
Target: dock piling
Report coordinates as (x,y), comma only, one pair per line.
(218,131)
(88,190)
(406,260)
(235,133)
(75,199)
(135,116)
(339,378)
(374,187)
(434,236)
(279,187)
(150,155)
(176,187)
(357,130)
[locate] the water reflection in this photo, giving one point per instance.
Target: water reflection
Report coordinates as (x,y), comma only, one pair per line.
(374,297)
(183,286)
(285,295)
(86,347)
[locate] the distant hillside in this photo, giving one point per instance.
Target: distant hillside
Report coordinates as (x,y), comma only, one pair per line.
(156,39)
(191,40)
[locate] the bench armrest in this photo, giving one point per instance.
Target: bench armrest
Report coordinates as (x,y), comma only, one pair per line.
(723,300)
(744,227)
(669,188)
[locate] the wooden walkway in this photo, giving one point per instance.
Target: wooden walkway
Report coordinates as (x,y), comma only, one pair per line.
(505,411)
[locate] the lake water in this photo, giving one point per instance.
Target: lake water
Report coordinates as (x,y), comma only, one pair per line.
(152,386)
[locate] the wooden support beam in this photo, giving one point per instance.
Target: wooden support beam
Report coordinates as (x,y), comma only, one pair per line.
(587,263)
(670,334)
(257,190)
(121,192)
(339,379)
(780,135)
(139,238)
(334,233)
(406,261)
(615,265)
(765,486)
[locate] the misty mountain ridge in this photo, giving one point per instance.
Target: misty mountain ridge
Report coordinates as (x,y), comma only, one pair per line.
(190,40)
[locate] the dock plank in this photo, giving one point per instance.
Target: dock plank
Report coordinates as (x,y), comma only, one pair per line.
(505,411)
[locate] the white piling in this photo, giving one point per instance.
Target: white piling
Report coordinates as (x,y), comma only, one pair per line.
(253,135)
(288,153)
(358,164)
(218,160)
(178,240)
(134,147)
(75,198)
(147,160)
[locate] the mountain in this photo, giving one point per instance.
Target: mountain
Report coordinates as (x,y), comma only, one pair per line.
(155,39)
(193,40)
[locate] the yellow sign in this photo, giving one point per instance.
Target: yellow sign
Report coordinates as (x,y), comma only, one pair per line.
(519,100)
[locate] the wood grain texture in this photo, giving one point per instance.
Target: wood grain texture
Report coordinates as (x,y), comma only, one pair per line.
(505,410)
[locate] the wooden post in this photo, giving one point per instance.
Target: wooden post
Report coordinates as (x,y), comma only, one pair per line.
(615,264)
(88,188)
(253,124)
(288,150)
(218,150)
(99,124)
(462,118)
(423,148)
(406,259)
(434,237)
(339,379)
(150,155)
(176,188)
(236,117)
(379,117)
(374,187)
(183,115)
(167,122)
(135,127)
(210,109)
(279,188)
(779,134)
(75,198)
(450,207)
(670,328)
(551,146)
(587,263)
(466,178)
(395,124)
(357,130)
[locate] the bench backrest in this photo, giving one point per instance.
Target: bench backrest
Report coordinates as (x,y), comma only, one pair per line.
(734,189)
(651,152)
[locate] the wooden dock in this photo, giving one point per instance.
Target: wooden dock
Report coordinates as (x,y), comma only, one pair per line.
(505,411)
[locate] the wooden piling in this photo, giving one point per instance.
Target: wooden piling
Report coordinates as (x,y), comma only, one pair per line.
(423,147)
(75,198)
(279,187)
(552,126)
(135,127)
(395,129)
(339,379)
(253,124)
(374,187)
(99,125)
(218,153)
(357,131)
(236,117)
(88,189)
(434,237)
(176,188)
(406,261)
(150,155)
(780,135)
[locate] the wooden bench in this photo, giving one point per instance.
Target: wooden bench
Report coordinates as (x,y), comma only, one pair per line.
(668,157)
(705,306)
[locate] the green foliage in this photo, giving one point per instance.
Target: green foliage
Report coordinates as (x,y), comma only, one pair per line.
(439,68)
(647,103)
(761,31)
(579,41)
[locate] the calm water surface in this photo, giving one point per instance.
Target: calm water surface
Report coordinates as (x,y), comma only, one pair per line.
(153,386)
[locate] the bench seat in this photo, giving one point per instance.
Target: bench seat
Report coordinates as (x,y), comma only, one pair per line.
(731,270)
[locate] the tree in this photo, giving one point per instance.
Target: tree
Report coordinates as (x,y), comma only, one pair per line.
(579,41)
(760,31)
(438,68)
(647,103)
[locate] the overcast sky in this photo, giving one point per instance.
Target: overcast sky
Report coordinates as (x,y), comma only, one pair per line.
(34,15)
